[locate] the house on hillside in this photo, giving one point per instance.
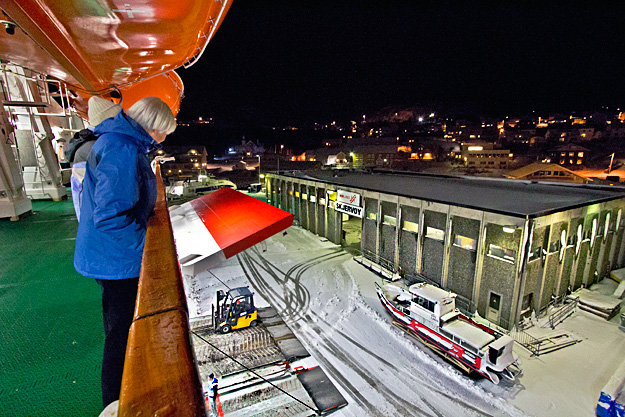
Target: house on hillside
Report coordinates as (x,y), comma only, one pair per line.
(569,155)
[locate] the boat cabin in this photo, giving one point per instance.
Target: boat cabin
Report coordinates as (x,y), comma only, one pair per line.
(432,299)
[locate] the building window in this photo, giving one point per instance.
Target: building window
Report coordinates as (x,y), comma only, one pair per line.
(389,220)
(580,154)
(425,303)
(436,234)
(503,254)
(465,242)
(410,226)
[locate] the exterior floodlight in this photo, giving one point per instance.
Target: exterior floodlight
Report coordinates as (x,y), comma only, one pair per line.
(509,229)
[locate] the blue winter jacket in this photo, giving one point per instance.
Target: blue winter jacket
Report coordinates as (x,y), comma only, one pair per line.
(119,193)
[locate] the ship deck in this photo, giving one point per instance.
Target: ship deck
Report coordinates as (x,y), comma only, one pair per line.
(50,316)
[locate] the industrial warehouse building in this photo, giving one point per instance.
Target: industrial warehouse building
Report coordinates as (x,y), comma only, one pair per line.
(508,246)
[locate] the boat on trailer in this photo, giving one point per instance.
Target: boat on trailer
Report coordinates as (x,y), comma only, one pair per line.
(429,314)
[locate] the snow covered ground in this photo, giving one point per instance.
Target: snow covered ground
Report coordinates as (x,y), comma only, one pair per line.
(329,301)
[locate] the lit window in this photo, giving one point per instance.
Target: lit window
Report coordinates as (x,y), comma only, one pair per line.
(580,154)
(389,220)
(372,216)
(465,242)
(410,226)
(497,252)
(436,234)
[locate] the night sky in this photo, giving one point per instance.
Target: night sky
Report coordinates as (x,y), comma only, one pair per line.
(281,62)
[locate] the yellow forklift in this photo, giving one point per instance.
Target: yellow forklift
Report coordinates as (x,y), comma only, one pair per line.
(235,310)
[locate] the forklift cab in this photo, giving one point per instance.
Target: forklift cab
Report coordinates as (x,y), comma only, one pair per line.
(235,310)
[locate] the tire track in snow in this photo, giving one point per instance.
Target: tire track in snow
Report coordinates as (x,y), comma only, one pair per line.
(404,407)
(262,286)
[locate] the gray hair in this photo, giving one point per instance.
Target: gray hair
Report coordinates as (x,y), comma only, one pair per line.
(152,113)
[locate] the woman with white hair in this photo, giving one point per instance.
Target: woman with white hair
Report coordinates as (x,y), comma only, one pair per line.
(119,193)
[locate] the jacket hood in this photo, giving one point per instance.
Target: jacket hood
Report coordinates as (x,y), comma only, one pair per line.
(123,124)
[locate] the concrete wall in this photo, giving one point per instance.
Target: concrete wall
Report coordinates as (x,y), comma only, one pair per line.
(388,231)
(303,204)
(433,249)
(553,262)
(408,241)
(321,211)
(370,226)
(499,275)
(462,261)
(334,226)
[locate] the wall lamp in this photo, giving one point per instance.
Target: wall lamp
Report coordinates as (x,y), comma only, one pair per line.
(509,229)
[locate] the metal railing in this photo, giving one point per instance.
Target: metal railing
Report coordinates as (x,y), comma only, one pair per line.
(374,261)
(566,310)
(526,340)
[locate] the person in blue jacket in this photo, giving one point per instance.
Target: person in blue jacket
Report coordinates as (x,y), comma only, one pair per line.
(119,193)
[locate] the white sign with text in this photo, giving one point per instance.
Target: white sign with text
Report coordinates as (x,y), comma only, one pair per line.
(348,209)
(348,197)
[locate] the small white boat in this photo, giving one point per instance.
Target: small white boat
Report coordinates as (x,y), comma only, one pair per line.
(429,314)
(205,184)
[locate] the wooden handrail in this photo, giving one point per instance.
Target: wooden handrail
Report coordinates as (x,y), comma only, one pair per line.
(160,374)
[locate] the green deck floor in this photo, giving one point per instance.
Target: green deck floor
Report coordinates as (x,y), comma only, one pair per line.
(51,333)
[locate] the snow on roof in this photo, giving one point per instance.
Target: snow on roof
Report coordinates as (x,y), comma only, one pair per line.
(538,166)
(430,292)
(505,196)
(471,334)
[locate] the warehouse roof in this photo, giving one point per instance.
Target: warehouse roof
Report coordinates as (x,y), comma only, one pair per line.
(518,198)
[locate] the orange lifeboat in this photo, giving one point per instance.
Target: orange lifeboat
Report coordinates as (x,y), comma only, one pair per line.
(128,47)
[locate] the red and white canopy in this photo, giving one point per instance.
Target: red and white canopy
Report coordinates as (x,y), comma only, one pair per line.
(217,226)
